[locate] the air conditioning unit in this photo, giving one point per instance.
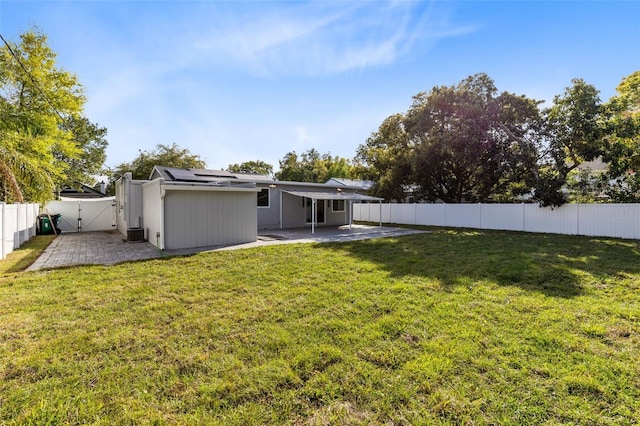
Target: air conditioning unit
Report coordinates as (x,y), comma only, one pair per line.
(135,235)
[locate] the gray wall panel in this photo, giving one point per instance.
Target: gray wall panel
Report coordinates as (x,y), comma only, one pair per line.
(200,219)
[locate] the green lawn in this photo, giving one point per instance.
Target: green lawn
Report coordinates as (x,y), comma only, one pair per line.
(21,258)
(450,327)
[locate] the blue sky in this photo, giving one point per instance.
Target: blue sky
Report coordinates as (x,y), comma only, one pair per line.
(240,81)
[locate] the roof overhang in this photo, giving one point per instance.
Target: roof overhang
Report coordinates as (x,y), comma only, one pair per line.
(337,195)
(210,188)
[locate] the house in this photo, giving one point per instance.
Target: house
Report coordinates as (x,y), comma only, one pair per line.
(82,191)
(364,185)
(185,208)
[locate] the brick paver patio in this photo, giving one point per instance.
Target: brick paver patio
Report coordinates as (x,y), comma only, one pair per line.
(86,248)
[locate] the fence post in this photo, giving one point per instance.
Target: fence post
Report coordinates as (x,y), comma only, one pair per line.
(578,219)
(3,218)
(34,220)
(444,209)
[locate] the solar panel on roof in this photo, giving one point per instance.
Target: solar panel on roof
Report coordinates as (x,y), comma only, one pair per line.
(181,174)
(212,173)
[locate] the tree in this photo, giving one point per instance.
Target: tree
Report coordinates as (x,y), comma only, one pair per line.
(471,144)
(585,186)
(574,137)
(163,155)
(622,140)
(386,159)
(258,167)
(41,107)
(91,140)
(312,166)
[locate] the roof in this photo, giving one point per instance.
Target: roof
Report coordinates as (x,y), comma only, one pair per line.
(81,191)
(201,175)
(353,183)
(220,177)
(326,195)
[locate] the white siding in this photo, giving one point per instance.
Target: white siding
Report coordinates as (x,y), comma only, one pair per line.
(120,197)
(208,218)
(152,212)
(129,203)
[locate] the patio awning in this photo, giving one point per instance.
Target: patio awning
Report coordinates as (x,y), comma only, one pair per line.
(330,195)
(334,195)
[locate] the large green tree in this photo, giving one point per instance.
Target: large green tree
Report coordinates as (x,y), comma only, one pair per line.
(258,167)
(471,143)
(91,140)
(44,139)
(575,136)
(622,140)
(162,155)
(311,166)
(386,159)
(456,143)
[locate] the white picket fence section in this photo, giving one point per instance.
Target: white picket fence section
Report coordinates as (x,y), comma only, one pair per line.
(17,225)
(606,220)
(85,215)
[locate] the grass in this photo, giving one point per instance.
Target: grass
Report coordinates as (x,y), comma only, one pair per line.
(451,327)
(22,258)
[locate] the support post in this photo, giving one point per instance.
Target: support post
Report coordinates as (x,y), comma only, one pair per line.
(313,215)
(3,227)
(281,209)
(346,217)
(380,203)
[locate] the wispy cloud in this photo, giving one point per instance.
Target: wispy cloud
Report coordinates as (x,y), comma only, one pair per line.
(320,38)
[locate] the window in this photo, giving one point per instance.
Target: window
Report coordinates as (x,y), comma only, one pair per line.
(263,197)
(337,205)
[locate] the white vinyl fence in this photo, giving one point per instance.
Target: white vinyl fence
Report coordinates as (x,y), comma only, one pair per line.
(85,215)
(17,225)
(606,220)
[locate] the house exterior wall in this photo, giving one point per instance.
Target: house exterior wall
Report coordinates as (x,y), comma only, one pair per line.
(152,199)
(128,203)
(339,217)
(294,210)
(208,218)
(269,217)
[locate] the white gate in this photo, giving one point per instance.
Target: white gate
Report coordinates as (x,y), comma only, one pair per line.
(85,215)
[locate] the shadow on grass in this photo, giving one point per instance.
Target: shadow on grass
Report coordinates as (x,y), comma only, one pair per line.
(20,259)
(556,265)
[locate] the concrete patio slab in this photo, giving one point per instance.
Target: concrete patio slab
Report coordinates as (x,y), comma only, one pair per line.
(110,247)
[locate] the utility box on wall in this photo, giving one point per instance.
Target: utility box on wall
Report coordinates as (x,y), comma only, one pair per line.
(135,235)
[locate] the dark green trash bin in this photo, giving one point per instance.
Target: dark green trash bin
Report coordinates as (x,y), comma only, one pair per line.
(45,227)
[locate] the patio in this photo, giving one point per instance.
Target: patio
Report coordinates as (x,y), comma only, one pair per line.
(110,247)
